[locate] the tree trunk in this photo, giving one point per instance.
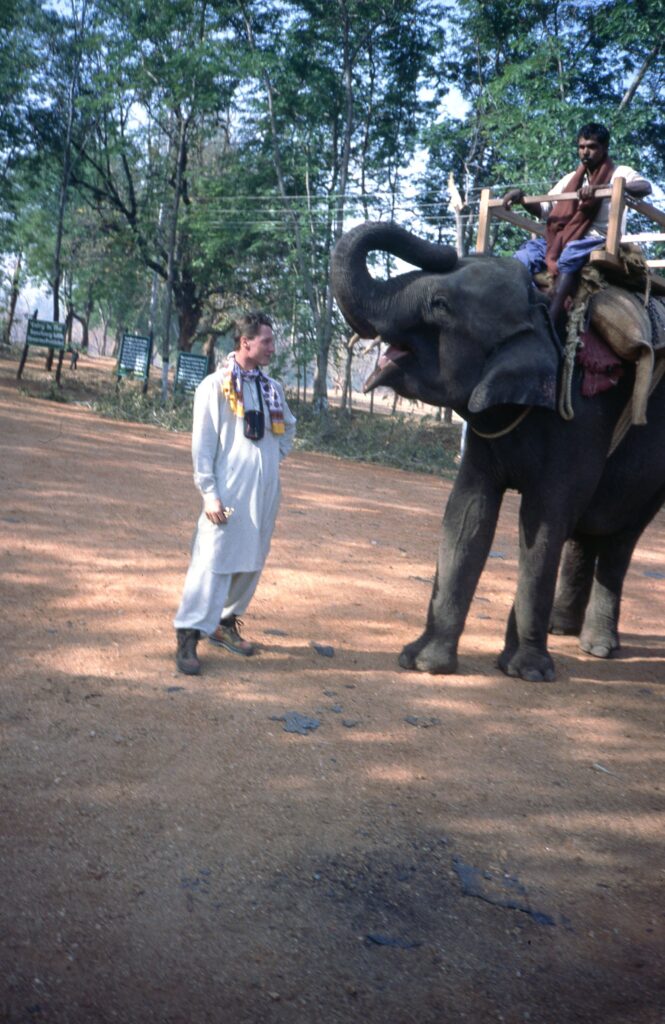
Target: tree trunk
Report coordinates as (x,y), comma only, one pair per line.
(105,331)
(84,321)
(320,392)
(120,330)
(347,391)
(634,85)
(66,170)
(190,311)
(13,299)
(154,282)
(372,392)
(325,333)
(170,271)
(69,324)
(85,341)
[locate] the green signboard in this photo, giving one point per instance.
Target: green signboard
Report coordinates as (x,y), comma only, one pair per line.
(190,371)
(134,357)
(47,333)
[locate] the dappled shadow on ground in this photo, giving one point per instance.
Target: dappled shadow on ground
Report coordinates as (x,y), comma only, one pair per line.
(438,848)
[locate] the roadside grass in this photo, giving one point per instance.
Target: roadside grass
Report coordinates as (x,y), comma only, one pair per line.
(403,441)
(420,443)
(129,403)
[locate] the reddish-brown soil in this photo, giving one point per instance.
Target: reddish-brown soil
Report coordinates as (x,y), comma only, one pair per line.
(440,849)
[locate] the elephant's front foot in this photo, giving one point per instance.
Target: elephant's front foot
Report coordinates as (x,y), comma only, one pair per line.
(599,643)
(428,654)
(526,663)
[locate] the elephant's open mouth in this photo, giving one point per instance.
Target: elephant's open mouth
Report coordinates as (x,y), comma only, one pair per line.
(385,369)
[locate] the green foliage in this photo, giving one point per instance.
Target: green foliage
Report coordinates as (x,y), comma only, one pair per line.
(532,73)
(233,142)
(19,114)
(127,402)
(421,444)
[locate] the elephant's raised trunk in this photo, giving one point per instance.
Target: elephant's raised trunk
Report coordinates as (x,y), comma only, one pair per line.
(369,305)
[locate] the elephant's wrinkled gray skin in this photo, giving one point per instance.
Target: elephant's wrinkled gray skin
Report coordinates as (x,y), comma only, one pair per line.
(473,334)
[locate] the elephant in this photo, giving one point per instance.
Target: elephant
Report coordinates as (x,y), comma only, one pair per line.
(474,334)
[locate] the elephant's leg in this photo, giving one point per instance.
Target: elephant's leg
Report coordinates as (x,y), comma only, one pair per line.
(600,632)
(574,586)
(525,651)
(468,528)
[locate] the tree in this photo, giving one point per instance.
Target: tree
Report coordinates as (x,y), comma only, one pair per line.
(531,74)
(19,74)
(18,65)
(340,110)
(68,39)
(216,149)
(166,81)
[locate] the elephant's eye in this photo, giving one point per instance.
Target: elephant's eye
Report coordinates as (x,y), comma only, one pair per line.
(440,304)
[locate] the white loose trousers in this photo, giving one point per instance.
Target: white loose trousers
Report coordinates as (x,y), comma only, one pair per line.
(210,596)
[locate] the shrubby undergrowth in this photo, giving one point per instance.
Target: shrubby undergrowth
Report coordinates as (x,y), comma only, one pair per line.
(404,441)
(128,403)
(419,443)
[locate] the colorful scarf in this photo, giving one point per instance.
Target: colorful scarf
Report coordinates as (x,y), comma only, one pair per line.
(571,219)
(233,377)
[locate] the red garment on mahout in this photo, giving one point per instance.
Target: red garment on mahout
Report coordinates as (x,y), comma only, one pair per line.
(571,219)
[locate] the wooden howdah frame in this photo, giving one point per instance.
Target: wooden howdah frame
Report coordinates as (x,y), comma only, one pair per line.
(606,259)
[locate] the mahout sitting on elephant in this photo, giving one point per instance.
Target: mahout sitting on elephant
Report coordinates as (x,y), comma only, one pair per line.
(574,227)
(474,334)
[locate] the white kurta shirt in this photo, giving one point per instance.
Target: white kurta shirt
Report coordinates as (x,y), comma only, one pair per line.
(243,474)
(600,222)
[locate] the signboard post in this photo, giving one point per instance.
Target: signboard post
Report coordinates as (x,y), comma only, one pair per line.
(190,371)
(134,358)
(48,334)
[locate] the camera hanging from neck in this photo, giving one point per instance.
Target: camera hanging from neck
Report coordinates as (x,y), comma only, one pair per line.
(255,421)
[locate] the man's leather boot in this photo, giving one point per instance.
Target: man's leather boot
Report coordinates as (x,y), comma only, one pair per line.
(185,658)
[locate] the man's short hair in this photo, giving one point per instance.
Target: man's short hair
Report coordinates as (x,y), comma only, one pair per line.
(596,131)
(249,325)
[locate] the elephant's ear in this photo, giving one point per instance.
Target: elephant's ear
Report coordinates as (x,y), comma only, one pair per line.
(524,368)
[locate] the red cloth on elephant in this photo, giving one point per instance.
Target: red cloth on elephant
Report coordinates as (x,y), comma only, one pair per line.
(602,367)
(571,219)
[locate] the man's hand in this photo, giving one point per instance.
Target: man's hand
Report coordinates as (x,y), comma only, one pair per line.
(516,195)
(214,510)
(585,192)
(513,195)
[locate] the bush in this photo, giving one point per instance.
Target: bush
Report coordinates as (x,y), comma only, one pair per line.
(129,403)
(422,444)
(402,440)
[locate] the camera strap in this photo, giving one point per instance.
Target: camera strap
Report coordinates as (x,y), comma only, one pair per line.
(258,392)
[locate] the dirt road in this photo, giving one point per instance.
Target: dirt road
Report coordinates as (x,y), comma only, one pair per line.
(471,848)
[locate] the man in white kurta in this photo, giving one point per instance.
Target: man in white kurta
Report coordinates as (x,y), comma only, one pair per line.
(239,481)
